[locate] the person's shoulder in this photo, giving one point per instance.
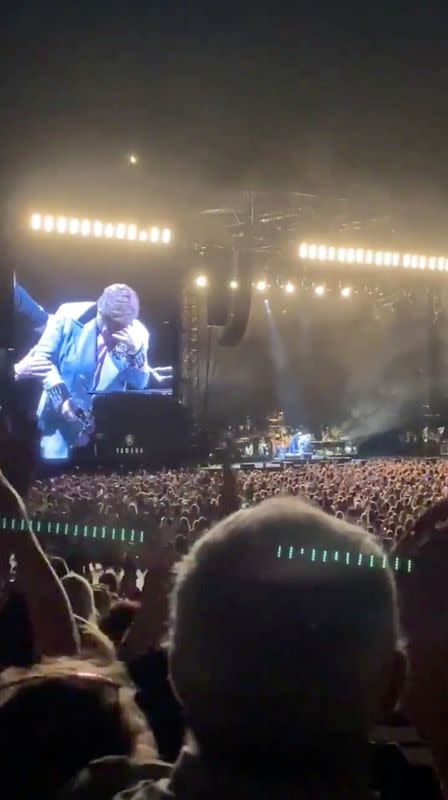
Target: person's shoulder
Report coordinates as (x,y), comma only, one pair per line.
(112,776)
(73,311)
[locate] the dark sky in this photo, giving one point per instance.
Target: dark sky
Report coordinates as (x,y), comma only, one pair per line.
(319,96)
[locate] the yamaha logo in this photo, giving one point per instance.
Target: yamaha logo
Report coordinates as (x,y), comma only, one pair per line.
(129,440)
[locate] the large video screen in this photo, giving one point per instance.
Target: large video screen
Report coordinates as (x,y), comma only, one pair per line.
(84,331)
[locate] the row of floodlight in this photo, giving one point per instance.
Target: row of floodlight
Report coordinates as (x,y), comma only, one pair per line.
(319,290)
(74,226)
(262,286)
(378,258)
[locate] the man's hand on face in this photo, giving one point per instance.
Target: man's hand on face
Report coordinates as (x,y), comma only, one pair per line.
(126,338)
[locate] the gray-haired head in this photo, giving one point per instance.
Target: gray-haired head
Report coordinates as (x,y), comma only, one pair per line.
(270,654)
(118,306)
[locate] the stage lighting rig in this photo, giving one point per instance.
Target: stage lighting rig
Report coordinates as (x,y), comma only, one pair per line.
(371,258)
(97,229)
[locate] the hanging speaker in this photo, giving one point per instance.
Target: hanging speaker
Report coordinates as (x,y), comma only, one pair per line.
(238,300)
(217,304)
(218,292)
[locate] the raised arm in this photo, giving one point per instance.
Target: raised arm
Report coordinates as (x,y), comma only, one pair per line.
(152,619)
(49,610)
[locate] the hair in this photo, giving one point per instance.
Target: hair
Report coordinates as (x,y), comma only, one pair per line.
(119,619)
(103,600)
(110,580)
(56,718)
(119,305)
(271,654)
(80,594)
(59,565)
(95,645)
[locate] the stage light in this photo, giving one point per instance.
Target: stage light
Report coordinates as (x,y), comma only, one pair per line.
(261,286)
(201,281)
(87,227)
(289,288)
(319,290)
(346,291)
(133,159)
(36,222)
(48,223)
(61,224)
(234,285)
(378,258)
(322,253)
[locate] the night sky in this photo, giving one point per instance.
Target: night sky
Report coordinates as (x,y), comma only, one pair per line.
(346,98)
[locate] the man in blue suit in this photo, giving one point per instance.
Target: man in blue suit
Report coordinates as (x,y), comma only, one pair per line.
(87,348)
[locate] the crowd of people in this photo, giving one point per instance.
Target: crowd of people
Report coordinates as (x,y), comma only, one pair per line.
(385,497)
(230,672)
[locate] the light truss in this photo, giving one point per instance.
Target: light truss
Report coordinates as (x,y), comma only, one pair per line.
(97,229)
(375,258)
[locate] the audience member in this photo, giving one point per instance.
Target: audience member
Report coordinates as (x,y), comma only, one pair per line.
(56,718)
(81,596)
(282,666)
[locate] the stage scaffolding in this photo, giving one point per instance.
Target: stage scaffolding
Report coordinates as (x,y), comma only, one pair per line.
(192,339)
